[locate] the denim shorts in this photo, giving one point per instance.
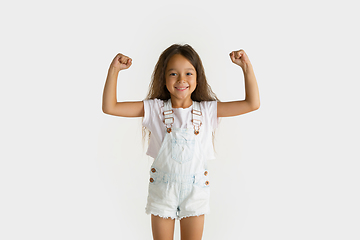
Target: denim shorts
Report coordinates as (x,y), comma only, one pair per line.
(178,196)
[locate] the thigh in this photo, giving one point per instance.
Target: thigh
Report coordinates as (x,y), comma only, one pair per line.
(192,227)
(162,228)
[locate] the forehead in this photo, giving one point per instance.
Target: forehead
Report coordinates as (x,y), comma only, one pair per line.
(178,61)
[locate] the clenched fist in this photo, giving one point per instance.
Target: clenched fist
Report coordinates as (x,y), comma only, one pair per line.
(120,62)
(240,58)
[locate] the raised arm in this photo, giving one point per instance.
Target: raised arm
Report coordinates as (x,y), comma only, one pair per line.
(252,98)
(110,104)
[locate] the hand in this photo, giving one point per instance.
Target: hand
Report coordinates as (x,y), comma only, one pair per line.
(240,58)
(120,62)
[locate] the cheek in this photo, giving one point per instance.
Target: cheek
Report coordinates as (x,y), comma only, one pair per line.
(167,83)
(167,87)
(193,86)
(195,82)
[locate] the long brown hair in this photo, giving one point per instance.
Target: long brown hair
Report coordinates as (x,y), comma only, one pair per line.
(157,87)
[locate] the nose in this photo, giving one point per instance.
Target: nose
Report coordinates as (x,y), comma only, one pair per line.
(181,78)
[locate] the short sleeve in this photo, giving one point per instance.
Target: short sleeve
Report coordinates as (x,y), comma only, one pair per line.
(147,110)
(152,109)
(210,108)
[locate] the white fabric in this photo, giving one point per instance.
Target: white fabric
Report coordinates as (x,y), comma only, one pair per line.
(153,120)
(179,179)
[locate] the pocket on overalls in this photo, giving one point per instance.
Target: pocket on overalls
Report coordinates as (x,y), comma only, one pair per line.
(202,186)
(157,186)
(203,181)
(182,150)
(153,180)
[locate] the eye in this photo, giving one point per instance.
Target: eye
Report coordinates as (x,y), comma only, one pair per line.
(172,74)
(189,74)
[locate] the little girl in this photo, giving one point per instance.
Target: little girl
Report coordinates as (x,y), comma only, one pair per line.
(181,112)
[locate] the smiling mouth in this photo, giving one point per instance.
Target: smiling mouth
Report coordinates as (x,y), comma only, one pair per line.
(181,89)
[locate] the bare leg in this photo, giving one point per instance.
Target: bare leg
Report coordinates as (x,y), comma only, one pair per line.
(191,228)
(162,228)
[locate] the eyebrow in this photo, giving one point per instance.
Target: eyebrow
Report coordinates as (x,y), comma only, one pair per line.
(171,69)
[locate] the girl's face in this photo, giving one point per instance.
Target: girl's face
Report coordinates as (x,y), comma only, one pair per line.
(180,77)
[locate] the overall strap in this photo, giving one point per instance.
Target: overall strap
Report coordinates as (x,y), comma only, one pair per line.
(168,115)
(195,112)
(196,117)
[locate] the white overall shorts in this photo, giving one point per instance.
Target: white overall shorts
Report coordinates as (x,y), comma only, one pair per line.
(179,178)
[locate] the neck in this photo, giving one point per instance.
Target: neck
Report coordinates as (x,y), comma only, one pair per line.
(181,103)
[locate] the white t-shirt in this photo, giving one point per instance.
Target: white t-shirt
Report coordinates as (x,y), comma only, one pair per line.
(153,120)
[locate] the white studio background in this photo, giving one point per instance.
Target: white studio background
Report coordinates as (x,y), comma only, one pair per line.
(286,171)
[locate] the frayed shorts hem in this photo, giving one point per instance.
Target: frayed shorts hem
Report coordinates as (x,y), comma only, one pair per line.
(162,214)
(192,214)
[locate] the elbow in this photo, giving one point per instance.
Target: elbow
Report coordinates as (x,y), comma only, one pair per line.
(105,110)
(255,106)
